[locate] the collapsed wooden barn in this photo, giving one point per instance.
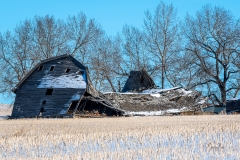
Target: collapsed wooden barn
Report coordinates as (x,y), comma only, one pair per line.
(140,96)
(59,87)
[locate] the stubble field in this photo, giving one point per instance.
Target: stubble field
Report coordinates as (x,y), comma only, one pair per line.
(177,137)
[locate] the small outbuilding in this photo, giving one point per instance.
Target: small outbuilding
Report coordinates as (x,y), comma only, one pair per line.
(233,105)
(59,86)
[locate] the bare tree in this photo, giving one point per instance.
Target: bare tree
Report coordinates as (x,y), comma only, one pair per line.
(213,37)
(163,38)
(49,36)
(134,49)
(16,55)
(83,35)
(106,64)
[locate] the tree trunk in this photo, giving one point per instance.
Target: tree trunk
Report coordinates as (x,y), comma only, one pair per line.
(163,75)
(223,93)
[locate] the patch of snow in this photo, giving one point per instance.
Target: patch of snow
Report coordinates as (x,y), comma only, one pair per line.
(173,111)
(63,81)
(185,92)
(76,97)
(147,113)
(202,101)
(158,113)
(155,95)
(126,93)
(177,110)
(63,111)
(158,90)
(84,74)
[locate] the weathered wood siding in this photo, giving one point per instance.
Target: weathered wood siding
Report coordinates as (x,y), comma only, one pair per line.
(29,102)
(29,96)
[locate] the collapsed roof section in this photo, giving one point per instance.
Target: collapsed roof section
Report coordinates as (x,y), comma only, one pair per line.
(164,100)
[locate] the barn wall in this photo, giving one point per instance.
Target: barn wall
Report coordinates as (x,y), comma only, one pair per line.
(29,102)
(31,94)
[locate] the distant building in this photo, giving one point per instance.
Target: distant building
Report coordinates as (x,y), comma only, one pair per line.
(215,109)
(233,105)
(59,86)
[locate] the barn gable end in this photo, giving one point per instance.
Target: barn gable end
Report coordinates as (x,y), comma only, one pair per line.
(50,88)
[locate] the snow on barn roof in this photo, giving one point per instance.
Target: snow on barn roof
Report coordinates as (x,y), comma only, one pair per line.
(63,81)
(77,63)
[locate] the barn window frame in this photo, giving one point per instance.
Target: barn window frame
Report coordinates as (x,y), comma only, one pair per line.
(52,68)
(67,70)
(40,68)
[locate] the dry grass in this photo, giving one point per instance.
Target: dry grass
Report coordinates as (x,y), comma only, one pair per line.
(178,137)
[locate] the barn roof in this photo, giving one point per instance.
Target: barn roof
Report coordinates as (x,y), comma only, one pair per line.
(76,62)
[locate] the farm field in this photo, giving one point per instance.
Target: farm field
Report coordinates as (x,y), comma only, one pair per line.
(156,137)
(5,110)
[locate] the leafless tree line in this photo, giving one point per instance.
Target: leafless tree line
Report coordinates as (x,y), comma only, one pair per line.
(200,52)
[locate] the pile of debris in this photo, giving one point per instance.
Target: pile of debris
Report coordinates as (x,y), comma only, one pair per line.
(140,96)
(159,101)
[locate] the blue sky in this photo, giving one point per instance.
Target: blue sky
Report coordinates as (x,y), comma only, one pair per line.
(111,14)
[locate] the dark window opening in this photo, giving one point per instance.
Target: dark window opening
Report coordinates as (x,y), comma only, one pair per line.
(49,92)
(67,70)
(52,68)
(42,109)
(44,102)
(141,79)
(40,68)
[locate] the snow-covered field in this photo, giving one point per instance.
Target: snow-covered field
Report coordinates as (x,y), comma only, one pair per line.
(5,110)
(158,137)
